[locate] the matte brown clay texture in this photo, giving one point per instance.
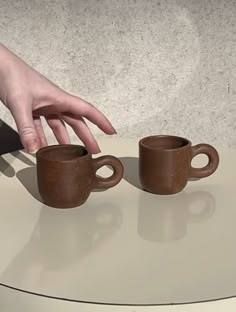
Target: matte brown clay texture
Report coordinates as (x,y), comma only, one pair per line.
(67,174)
(165,163)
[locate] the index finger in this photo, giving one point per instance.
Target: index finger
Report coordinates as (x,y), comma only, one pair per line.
(78,107)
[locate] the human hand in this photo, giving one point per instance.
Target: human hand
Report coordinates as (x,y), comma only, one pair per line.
(30,96)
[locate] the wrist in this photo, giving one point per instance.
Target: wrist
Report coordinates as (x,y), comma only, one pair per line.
(6,58)
(6,65)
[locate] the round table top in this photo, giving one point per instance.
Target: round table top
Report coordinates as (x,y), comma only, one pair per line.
(124,246)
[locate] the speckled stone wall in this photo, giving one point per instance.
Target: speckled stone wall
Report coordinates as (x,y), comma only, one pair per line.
(151,66)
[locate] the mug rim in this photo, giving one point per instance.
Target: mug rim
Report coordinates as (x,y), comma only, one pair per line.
(40,153)
(159,136)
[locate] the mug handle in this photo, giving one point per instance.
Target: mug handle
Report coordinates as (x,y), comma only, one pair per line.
(115,178)
(213,160)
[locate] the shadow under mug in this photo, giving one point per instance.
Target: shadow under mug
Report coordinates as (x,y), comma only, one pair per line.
(66,174)
(165,163)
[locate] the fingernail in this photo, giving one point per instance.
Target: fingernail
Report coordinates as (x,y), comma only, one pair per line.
(114,131)
(98,150)
(32,147)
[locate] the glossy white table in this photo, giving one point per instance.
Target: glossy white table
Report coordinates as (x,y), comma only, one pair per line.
(123,246)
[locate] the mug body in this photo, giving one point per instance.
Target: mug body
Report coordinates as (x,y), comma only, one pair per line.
(65,175)
(164,164)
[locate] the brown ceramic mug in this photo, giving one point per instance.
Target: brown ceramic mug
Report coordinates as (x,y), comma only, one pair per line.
(165,163)
(66,174)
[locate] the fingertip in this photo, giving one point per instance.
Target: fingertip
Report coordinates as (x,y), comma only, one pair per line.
(94,149)
(110,130)
(32,147)
(95,152)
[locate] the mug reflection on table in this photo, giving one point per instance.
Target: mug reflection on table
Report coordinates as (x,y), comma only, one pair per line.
(60,240)
(166,218)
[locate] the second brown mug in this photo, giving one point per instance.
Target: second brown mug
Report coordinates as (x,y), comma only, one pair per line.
(165,163)
(67,174)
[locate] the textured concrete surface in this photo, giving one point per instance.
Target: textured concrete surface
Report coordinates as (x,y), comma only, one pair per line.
(166,66)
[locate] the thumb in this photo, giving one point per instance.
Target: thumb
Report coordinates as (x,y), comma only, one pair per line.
(22,115)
